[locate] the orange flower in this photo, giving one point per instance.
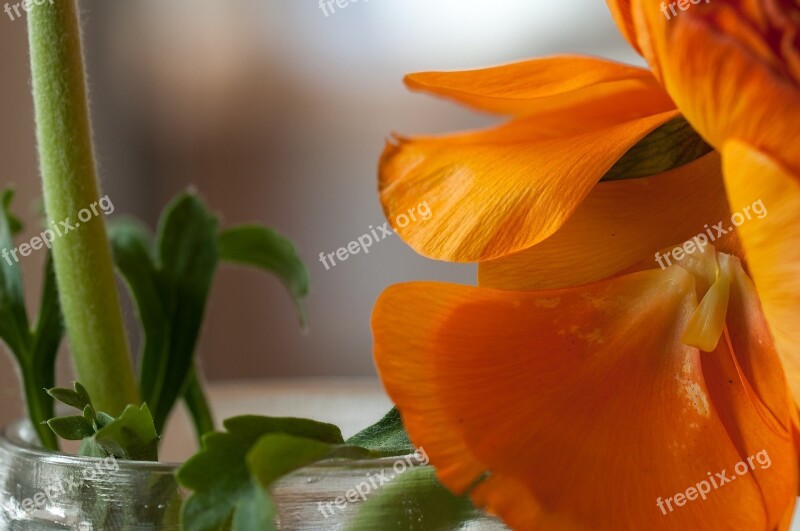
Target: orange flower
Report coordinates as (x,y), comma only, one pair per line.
(733,68)
(499,191)
(583,408)
(587,407)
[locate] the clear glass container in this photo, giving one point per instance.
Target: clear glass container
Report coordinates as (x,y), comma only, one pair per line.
(43,491)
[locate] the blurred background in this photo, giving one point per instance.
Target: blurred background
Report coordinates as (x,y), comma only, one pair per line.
(276,111)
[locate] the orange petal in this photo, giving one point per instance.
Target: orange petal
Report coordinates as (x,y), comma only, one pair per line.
(772,244)
(748,334)
(495,192)
(576,84)
(581,405)
(732,69)
(619,224)
(621,11)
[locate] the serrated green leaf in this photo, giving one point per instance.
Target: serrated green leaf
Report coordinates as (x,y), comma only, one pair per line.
(79,399)
(132,436)
(669,146)
(219,474)
(103,419)
(387,437)
(275,455)
(413,501)
(250,428)
(73,428)
(265,249)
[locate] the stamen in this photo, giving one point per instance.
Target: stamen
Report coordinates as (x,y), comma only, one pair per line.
(705,327)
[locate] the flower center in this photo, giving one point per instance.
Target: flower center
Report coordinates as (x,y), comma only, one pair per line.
(712,272)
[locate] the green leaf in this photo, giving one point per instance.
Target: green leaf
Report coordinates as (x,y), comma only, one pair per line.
(387,437)
(219,473)
(194,398)
(34,351)
(132,436)
(275,455)
(265,249)
(46,339)
(82,393)
(187,258)
(250,428)
(132,250)
(77,397)
(254,510)
(413,501)
(170,291)
(89,414)
(671,145)
(14,328)
(103,419)
(170,285)
(71,428)
(14,223)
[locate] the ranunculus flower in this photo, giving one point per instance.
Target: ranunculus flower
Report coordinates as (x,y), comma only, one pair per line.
(570,390)
(585,409)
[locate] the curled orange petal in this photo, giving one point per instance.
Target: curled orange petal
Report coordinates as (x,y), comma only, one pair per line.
(732,67)
(499,191)
(617,225)
(580,85)
(581,409)
(621,11)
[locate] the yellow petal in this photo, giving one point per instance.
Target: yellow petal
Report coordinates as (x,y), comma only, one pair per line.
(772,244)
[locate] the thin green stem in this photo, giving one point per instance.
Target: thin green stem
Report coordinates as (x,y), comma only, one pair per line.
(40,408)
(197,403)
(88,292)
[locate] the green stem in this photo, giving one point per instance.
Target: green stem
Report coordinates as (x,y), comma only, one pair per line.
(40,408)
(196,402)
(88,292)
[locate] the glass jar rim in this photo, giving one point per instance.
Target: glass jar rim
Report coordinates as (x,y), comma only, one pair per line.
(18,436)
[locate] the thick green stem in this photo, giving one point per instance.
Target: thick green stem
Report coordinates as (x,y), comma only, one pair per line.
(88,292)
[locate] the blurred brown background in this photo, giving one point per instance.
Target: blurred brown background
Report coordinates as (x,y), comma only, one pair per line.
(277,114)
